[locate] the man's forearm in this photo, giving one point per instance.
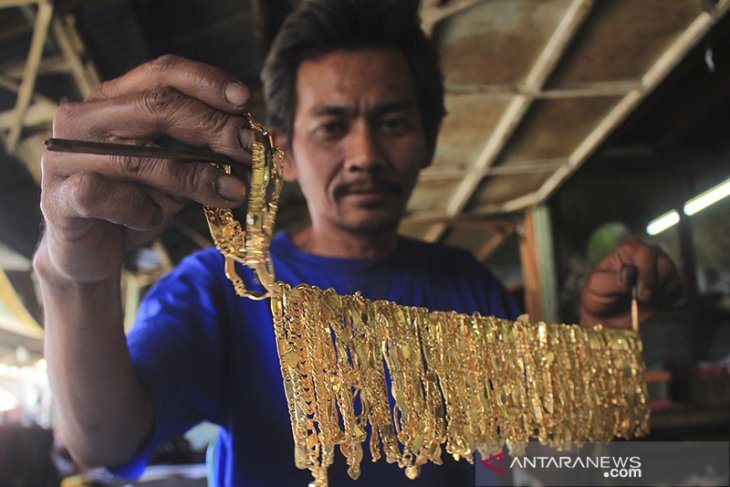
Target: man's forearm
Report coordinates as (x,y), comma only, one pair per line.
(105,413)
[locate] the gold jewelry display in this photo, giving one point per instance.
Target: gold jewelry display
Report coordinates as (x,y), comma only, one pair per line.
(458,382)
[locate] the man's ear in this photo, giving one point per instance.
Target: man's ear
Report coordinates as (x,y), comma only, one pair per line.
(282,142)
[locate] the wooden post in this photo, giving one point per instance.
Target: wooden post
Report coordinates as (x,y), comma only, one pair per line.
(538,267)
(530,276)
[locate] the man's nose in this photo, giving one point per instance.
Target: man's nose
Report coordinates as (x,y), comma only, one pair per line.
(363,149)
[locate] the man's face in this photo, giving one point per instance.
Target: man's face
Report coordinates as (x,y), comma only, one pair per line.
(358,142)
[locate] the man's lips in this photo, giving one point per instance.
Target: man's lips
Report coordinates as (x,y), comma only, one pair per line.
(366,188)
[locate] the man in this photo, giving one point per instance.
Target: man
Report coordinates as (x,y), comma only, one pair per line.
(356,99)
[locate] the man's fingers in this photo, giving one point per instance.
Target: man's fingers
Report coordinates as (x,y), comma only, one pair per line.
(645,260)
(200,182)
(628,276)
(92,196)
(632,252)
(152,114)
(604,286)
(98,207)
(211,85)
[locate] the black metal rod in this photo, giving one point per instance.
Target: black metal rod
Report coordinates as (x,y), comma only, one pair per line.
(111,149)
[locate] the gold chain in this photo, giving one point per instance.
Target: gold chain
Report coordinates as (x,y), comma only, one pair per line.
(251,247)
(461,382)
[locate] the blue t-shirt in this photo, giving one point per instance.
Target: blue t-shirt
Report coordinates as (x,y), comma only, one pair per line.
(206,354)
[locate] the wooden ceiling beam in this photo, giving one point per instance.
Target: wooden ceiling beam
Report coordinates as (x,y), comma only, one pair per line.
(27,86)
(50,65)
(515,167)
(13,86)
(432,11)
(17,3)
(40,112)
(84,76)
(494,242)
(589,89)
(10,31)
(544,65)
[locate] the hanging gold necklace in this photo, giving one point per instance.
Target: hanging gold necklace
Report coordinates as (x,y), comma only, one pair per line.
(459,382)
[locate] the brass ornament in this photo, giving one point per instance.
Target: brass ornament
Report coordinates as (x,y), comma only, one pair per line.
(460,383)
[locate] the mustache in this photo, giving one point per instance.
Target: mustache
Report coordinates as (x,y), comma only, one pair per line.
(374,183)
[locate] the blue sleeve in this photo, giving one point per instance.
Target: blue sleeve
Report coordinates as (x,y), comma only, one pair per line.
(175,349)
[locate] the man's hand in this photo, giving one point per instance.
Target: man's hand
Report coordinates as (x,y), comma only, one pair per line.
(606,296)
(97,208)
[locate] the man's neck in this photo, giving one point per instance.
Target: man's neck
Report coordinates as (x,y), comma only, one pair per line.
(341,243)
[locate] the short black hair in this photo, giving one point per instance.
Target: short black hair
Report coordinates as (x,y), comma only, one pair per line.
(319,27)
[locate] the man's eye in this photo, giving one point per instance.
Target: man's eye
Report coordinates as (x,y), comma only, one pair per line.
(332,128)
(394,124)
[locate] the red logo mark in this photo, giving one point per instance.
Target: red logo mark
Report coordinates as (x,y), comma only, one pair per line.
(499,456)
